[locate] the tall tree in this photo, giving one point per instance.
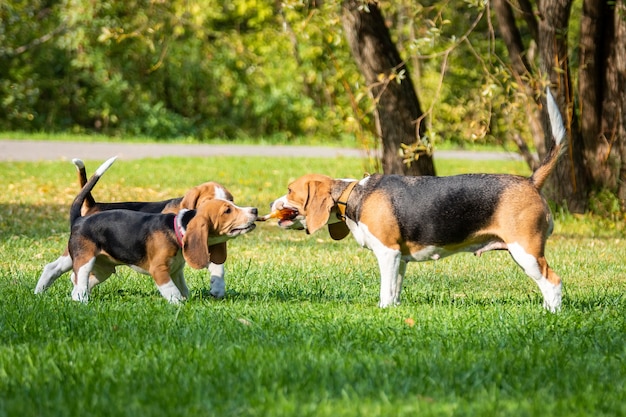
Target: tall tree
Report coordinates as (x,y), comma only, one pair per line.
(398,113)
(595,110)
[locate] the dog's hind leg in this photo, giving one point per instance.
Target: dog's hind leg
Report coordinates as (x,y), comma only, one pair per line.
(81,286)
(536,267)
(52,271)
(100,273)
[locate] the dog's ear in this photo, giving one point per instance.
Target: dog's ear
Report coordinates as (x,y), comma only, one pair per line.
(190,199)
(218,253)
(318,205)
(195,243)
(338,230)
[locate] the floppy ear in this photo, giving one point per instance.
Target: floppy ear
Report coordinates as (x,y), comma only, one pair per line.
(195,243)
(190,199)
(318,205)
(218,253)
(338,230)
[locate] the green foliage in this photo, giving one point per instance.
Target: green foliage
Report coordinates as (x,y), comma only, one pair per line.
(240,69)
(166,69)
(299,333)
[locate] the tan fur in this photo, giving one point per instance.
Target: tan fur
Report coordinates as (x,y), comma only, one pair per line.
(312,195)
(541,174)
(318,204)
(200,194)
(195,243)
(377,213)
(160,252)
(214,218)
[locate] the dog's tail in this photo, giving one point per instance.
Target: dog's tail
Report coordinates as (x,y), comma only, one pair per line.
(82,180)
(75,210)
(560,143)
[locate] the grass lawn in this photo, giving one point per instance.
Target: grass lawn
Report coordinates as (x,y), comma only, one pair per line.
(299,333)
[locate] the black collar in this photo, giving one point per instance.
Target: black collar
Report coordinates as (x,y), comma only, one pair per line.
(342,203)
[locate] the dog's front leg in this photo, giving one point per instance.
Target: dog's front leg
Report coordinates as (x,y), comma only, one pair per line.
(399,279)
(170,292)
(218,285)
(168,289)
(179,280)
(392,269)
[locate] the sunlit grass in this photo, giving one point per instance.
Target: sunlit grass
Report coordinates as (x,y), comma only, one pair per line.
(299,333)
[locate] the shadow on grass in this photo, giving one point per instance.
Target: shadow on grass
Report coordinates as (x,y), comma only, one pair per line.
(32,221)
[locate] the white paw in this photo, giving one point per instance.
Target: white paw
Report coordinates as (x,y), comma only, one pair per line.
(218,287)
(171,293)
(176,300)
(388,303)
(552,299)
(80,294)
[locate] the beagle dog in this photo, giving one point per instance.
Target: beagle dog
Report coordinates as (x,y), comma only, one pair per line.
(403,219)
(152,243)
(192,199)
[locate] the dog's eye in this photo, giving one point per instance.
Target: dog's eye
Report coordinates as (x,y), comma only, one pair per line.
(288,190)
(227,210)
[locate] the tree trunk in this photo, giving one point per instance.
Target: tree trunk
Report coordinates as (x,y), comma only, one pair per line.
(398,114)
(618,131)
(568,184)
(602,97)
(605,154)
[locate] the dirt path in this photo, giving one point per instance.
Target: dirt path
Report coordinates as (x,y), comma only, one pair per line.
(27,150)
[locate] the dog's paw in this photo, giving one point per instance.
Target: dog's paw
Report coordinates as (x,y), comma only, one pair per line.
(388,303)
(218,287)
(80,294)
(171,293)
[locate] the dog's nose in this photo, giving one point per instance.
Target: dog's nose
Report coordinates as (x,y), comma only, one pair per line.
(254,211)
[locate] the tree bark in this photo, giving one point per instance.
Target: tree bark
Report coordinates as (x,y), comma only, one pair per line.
(619,53)
(599,90)
(609,142)
(569,185)
(398,113)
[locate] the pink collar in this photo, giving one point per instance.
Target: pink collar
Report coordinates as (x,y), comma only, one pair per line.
(179,229)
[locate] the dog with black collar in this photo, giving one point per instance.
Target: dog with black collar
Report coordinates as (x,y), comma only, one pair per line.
(404,219)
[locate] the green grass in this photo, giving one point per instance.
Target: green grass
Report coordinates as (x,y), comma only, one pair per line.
(299,333)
